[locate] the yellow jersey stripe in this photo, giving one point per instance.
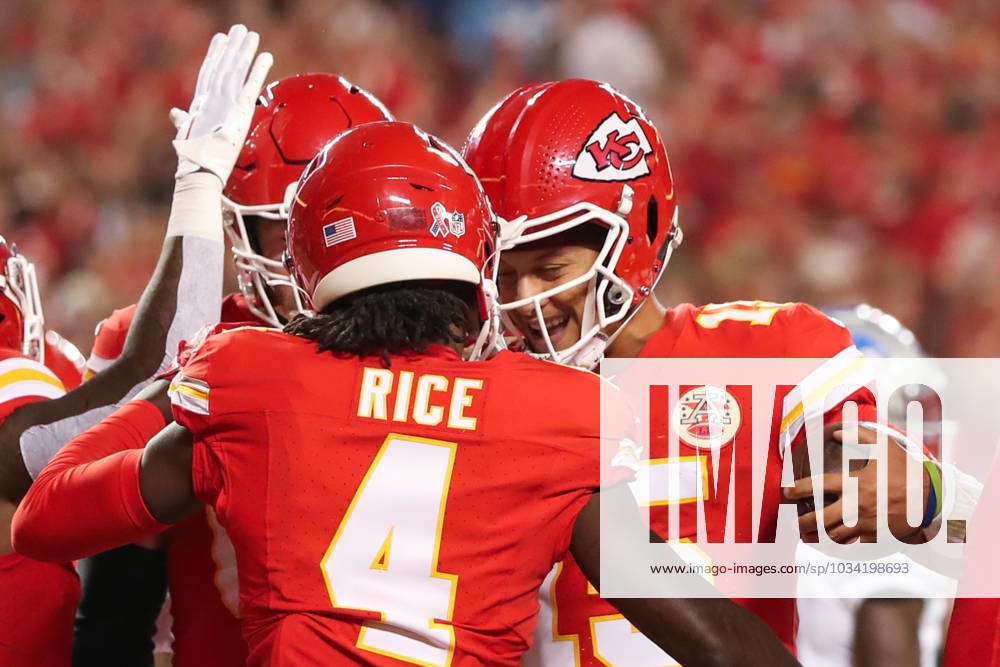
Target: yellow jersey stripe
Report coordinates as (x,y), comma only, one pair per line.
(189,390)
(29,374)
(190,394)
(820,392)
(29,388)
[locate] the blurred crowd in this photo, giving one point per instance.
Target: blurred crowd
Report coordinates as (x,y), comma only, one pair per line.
(831,151)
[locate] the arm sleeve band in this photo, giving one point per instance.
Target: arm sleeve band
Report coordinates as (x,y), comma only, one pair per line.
(88,498)
(199,302)
(197,207)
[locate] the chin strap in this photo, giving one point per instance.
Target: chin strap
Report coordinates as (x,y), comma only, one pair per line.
(490,340)
(590,354)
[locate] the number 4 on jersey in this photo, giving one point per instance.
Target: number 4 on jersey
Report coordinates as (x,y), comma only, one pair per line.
(384,555)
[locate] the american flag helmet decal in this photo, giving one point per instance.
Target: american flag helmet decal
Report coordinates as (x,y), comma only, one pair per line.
(339,231)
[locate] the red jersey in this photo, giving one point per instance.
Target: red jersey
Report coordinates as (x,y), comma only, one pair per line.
(203,587)
(973,633)
(64,359)
(576,626)
(37,600)
(380,514)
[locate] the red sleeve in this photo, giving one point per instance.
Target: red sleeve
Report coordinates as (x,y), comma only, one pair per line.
(843,377)
(973,638)
(109,340)
(88,499)
(620,443)
(191,397)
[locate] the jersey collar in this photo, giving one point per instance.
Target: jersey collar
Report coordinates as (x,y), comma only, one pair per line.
(664,340)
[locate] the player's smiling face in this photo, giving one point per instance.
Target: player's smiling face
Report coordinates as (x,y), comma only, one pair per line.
(534,268)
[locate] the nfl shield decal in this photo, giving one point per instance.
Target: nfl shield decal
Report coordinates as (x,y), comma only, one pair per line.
(445,222)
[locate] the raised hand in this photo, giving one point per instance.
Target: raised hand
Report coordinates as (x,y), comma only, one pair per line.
(211,132)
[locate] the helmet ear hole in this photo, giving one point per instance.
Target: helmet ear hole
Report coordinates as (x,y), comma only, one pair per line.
(652,220)
(616,296)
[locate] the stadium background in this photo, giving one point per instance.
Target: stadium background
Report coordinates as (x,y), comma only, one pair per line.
(831,151)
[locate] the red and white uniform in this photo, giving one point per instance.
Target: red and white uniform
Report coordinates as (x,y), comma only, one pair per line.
(200,561)
(577,627)
(37,600)
(386,512)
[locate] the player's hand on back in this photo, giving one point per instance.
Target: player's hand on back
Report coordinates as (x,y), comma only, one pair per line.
(211,132)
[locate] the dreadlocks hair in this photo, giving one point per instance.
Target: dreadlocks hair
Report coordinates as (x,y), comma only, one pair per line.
(390,319)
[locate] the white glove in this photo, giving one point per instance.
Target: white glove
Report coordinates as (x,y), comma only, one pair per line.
(211,133)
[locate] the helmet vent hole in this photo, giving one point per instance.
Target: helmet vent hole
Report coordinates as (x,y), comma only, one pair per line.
(333,202)
(418,186)
(652,220)
(354,90)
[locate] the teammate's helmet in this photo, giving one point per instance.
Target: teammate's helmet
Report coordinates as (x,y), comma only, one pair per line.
(294,118)
(556,155)
(22,326)
(384,203)
(877,334)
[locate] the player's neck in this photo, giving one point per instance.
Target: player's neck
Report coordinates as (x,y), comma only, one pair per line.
(458,347)
(639,330)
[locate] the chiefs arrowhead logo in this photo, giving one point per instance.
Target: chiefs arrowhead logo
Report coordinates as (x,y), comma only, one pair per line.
(615,151)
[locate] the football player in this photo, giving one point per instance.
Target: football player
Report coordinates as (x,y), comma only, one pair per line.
(385,500)
(294,118)
(866,621)
(209,138)
(37,600)
(581,181)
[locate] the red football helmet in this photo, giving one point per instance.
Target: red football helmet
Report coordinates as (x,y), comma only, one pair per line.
(556,155)
(294,118)
(22,326)
(387,202)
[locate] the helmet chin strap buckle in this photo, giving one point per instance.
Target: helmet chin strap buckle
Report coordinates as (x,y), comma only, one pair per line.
(625,203)
(590,354)
(509,230)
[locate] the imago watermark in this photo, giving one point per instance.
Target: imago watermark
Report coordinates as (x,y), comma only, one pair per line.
(897,454)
